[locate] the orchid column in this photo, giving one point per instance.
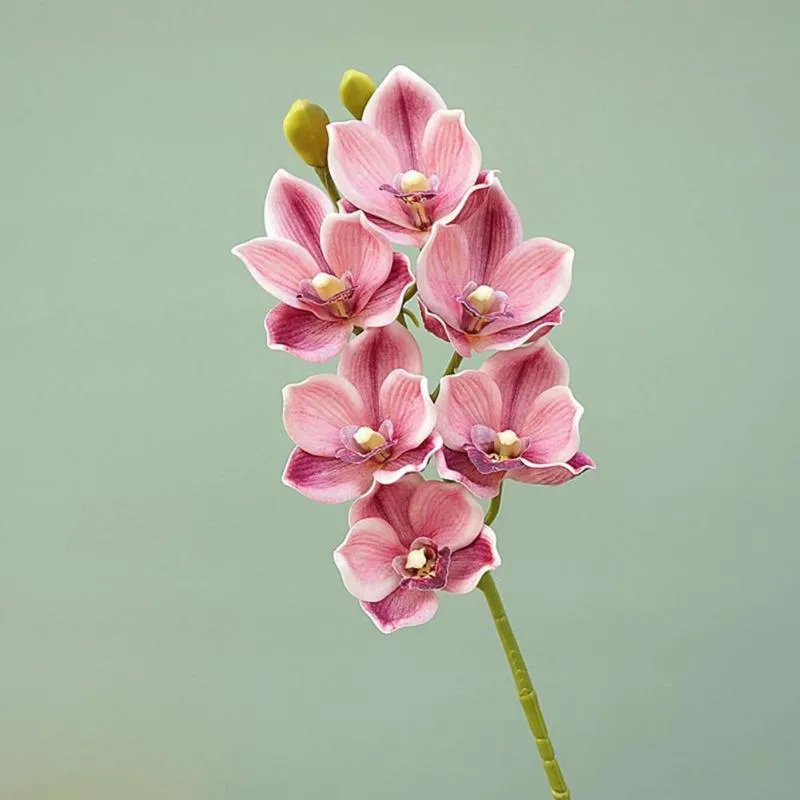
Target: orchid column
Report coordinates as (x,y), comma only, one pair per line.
(407,171)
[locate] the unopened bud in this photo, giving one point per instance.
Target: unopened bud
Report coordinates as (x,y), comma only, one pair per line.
(355,89)
(305,129)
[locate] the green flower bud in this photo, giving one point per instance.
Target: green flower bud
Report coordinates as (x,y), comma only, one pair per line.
(355,89)
(304,129)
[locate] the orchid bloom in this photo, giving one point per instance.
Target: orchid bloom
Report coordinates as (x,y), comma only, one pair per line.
(408,163)
(514,417)
(406,541)
(373,421)
(330,271)
(481,287)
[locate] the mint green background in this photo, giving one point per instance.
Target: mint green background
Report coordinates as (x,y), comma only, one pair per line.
(172,625)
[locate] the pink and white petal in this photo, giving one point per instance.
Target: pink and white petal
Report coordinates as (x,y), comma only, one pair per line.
(361,160)
(315,411)
(516,335)
(294,210)
(454,465)
(403,608)
(466,399)
(556,474)
(302,334)
(523,374)
(492,226)
(390,503)
(405,400)
(278,266)
(443,272)
(369,358)
(409,462)
(400,109)
(536,276)
(446,513)
(351,244)
(364,559)
(397,234)
(551,423)
(468,565)
(450,152)
(432,323)
(384,305)
(326,480)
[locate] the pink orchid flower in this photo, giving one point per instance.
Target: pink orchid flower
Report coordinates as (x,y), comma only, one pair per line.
(373,421)
(513,418)
(408,163)
(406,541)
(330,271)
(481,287)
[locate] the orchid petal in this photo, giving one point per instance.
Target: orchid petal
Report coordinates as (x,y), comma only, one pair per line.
(369,358)
(446,513)
(443,272)
(411,461)
(404,399)
(364,559)
(556,474)
(326,480)
(551,424)
(403,608)
(466,399)
(389,503)
(294,210)
(400,109)
(304,335)
(384,305)
(469,564)
(278,266)
(455,465)
(315,411)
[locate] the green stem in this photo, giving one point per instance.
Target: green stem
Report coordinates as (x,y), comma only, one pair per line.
(410,292)
(452,365)
(526,694)
(494,506)
(324,175)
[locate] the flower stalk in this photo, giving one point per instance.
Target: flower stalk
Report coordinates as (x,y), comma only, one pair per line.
(452,365)
(526,694)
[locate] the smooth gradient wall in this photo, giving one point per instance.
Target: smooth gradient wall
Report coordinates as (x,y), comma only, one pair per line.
(171,623)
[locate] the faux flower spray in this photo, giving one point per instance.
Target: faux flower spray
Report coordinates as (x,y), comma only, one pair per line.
(407,171)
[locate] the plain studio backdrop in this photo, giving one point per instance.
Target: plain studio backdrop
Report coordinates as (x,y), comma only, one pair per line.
(171,622)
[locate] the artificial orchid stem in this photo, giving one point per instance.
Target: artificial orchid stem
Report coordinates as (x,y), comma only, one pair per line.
(528,698)
(324,175)
(452,365)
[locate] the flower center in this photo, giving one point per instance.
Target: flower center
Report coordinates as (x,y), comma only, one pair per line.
(482,298)
(327,285)
(416,559)
(413,181)
(368,439)
(507,445)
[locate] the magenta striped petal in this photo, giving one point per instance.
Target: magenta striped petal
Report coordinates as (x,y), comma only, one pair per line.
(403,608)
(400,109)
(315,411)
(397,234)
(465,400)
(469,564)
(294,210)
(278,266)
(365,557)
(551,424)
(516,335)
(446,513)
(450,152)
(361,160)
(389,503)
(304,335)
(369,358)
(351,244)
(326,480)
(521,375)
(554,475)
(411,461)
(443,272)
(536,276)
(404,399)
(384,305)
(454,465)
